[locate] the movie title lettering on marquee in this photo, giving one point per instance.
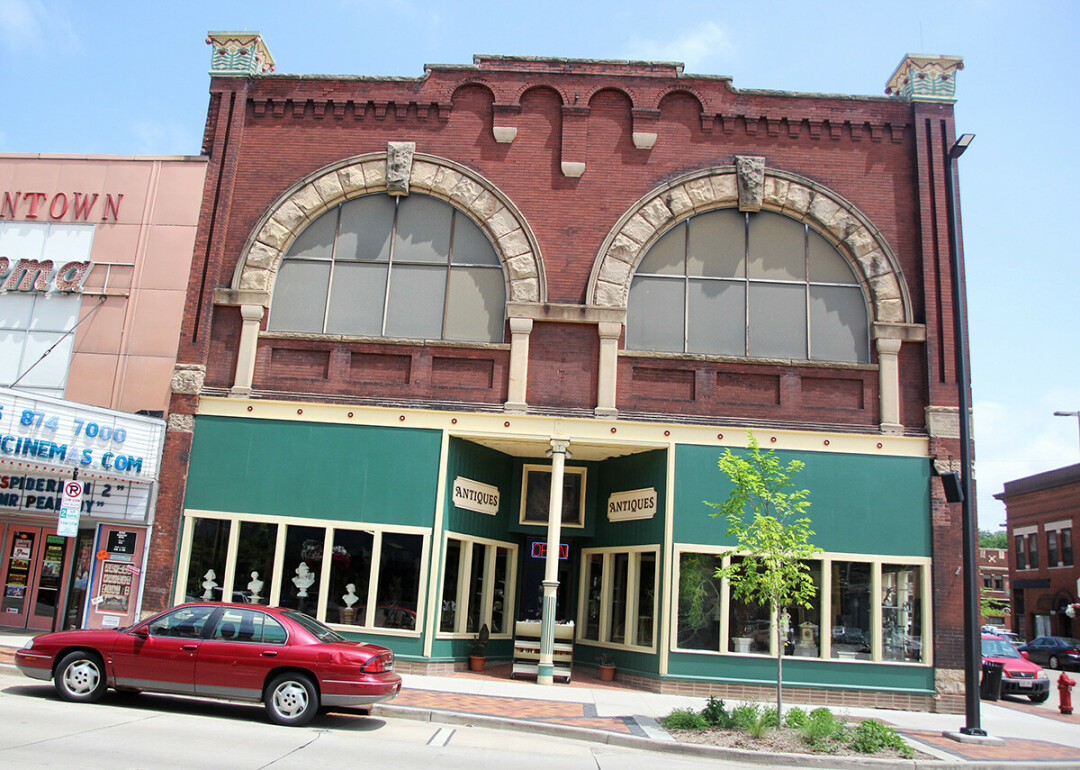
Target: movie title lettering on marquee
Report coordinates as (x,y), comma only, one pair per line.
(39,276)
(474,496)
(635,504)
(60,206)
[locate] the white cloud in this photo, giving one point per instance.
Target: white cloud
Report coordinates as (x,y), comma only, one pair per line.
(1017,440)
(21,24)
(697,49)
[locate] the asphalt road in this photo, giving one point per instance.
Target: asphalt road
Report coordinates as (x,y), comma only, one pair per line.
(159,732)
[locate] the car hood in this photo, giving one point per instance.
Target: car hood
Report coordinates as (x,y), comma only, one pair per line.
(98,636)
(1019,665)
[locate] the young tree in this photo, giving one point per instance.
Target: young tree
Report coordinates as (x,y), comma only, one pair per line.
(766,516)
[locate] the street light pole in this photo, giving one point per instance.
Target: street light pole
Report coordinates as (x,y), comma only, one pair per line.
(1069,414)
(972,640)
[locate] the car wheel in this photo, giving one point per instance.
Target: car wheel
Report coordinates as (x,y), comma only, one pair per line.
(1040,698)
(291,699)
(80,677)
(1055,663)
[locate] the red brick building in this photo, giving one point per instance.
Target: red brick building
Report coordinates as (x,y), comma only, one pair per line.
(994,587)
(424,310)
(1042,512)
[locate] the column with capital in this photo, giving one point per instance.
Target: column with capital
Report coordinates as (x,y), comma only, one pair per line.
(546,669)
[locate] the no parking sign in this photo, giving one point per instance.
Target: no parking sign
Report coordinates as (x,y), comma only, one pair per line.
(70,508)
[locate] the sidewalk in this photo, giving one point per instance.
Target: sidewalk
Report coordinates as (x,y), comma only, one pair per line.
(611,713)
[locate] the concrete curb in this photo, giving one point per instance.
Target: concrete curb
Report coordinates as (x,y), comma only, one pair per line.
(696,750)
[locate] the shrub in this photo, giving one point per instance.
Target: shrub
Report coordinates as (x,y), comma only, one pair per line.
(795,717)
(871,736)
(744,715)
(716,714)
(821,727)
(684,719)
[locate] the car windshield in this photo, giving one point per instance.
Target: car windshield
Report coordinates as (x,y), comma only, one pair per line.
(317,629)
(998,648)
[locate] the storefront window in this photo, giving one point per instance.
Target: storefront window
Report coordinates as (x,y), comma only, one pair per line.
(498,599)
(699,602)
(617,617)
(454,551)
(749,625)
(350,569)
(206,569)
(399,580)
(253,577)
(302,567)
(594,572)
(646,599)
(851,637)
(804,623)
(484,574)
(477,574)
(901,613)
(617,599)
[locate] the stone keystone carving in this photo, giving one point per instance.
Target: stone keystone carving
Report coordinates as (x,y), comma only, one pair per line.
(188,379)
(399,157)
(751,172)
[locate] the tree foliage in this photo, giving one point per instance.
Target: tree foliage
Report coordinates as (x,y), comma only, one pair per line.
(988,539)
(767,518)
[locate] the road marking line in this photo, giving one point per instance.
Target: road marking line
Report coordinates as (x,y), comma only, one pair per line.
(441,737)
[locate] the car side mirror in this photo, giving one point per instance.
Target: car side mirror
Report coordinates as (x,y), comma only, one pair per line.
(1024,653)
(141,631)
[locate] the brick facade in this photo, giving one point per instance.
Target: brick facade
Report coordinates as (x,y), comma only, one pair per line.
(570,166)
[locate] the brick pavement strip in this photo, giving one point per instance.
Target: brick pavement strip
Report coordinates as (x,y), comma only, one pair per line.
(551,712)
(1014,750)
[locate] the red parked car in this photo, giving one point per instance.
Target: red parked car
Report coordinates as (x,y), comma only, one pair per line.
(1019,676)
(290,662)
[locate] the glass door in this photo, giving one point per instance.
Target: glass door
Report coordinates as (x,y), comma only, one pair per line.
(31,575)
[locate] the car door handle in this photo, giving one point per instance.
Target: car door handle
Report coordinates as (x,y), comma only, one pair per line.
(268,654)
(189,647)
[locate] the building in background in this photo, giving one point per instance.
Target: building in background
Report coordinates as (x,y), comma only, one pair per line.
(95,254)
(1041,513)
(425,310)
(994,603)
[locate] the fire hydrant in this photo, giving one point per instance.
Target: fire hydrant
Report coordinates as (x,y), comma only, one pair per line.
(1065,685)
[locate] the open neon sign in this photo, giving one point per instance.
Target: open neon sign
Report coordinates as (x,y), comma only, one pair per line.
(539,550)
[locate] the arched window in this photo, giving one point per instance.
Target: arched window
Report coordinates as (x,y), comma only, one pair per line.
(382,266)
(747,284)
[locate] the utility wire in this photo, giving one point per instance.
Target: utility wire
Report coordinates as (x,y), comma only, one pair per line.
(64,336)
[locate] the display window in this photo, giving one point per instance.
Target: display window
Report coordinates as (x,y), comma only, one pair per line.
(478,586)
(617,606)
(362,577)
(865,609)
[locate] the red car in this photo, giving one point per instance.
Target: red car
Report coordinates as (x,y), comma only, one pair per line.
(1019,676)
(290,662)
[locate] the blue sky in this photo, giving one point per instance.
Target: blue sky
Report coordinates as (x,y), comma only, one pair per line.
(110,77)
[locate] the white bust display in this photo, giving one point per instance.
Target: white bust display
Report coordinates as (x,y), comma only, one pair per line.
(255,586)
(303,580)
(209,583)
(350,598)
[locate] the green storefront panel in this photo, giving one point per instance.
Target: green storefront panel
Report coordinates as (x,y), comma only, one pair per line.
(858,503)
(803,673)
(314,470)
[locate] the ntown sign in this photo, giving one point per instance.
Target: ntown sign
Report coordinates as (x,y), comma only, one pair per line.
(76,207)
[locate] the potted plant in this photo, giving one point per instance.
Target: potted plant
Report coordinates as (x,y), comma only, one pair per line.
(607,667)
(479,645)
